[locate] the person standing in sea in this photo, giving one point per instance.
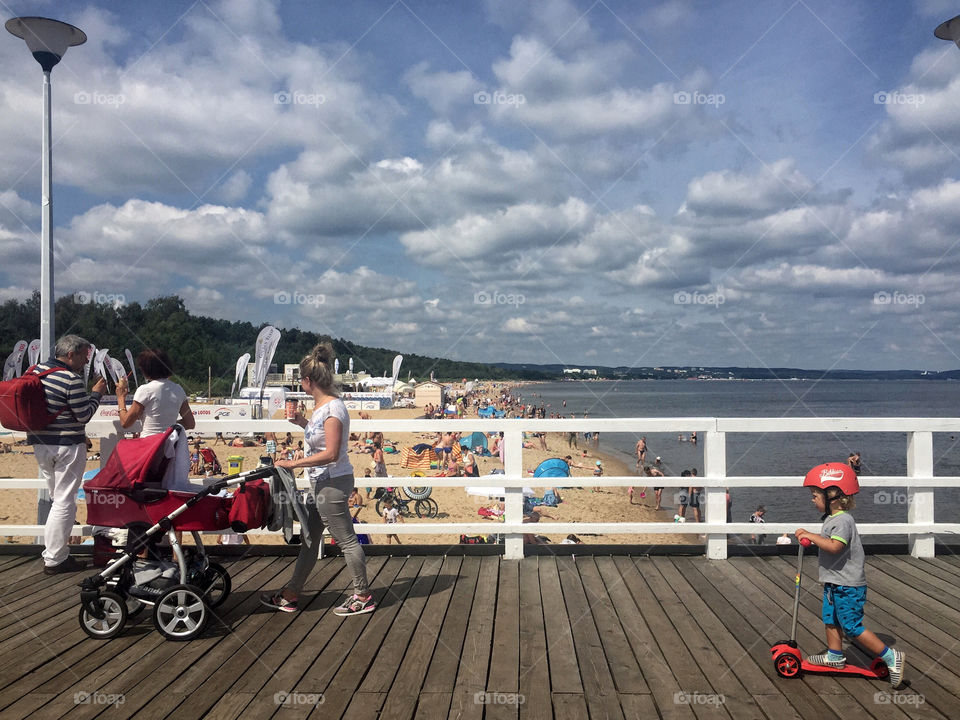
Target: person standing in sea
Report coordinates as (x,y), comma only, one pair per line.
(331,483)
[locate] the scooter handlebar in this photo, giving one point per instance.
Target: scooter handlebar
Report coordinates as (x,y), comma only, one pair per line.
(805,542)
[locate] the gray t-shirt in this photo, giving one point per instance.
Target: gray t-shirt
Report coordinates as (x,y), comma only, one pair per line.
(846,566)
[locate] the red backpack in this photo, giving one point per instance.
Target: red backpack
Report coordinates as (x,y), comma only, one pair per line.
(23,402)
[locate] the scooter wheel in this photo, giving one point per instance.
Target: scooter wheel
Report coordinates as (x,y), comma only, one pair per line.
(180,613)
(114,617)
(787,665)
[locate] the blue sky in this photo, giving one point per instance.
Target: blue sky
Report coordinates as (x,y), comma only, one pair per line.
(618,183)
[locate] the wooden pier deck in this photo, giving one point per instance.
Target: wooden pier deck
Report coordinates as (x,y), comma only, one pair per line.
(481,637)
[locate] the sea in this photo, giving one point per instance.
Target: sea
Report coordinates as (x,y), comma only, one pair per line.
(775,453)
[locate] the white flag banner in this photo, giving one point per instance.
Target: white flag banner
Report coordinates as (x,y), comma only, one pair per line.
(239,372)
(19,350)
(99,358)
(350,365)
(336,366)
(9,369)
(117,370)
(266,346)
(397,362)
(33,352)
(91,354)
(133,368)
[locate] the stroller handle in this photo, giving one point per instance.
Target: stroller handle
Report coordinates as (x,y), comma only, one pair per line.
(238,479)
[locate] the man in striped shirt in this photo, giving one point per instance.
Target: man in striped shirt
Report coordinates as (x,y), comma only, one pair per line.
(61,449)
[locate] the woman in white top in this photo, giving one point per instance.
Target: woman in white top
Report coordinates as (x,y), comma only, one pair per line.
(331,482)
(159,402)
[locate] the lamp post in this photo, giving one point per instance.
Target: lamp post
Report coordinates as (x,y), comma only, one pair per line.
(48,40)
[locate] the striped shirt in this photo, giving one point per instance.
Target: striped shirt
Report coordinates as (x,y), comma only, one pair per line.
(65,391)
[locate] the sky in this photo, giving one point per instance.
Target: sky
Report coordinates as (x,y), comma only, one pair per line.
(673,182)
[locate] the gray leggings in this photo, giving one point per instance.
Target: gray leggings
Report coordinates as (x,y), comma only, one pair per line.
(327,505)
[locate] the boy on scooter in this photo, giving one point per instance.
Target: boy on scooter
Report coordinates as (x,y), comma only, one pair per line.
(833,486)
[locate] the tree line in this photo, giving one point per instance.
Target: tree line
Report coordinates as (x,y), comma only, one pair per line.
(196,343)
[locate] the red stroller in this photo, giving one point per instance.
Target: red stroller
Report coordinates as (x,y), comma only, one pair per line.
(130,493)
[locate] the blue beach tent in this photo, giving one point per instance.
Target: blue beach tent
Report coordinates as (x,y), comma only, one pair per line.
(474,441)
(554,467)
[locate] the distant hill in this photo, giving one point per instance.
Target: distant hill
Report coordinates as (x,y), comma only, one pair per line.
(719,373)
(196,342)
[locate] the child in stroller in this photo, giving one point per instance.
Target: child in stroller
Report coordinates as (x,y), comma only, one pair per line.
(132,492)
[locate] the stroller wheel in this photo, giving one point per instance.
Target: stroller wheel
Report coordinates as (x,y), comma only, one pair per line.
(214,583)
(180,613)
(114,610)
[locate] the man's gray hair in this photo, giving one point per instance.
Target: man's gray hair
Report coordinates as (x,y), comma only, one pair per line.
(68,344)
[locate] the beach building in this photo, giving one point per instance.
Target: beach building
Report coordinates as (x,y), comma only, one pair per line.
(428,392)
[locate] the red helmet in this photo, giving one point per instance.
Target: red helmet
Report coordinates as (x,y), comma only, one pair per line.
(835,474)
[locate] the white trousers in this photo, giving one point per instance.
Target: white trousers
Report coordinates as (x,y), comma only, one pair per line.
(61,466)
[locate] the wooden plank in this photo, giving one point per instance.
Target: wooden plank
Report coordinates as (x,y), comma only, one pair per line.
(433,706)
(504,676)
(349,672)
(534,668)
(569,706)
(623,665)
(389,656)
(642,641)
(941,590)
(599,688)
(638,706)
(564,671)
(408,678)
(309,644)
(365,706)
(445,663)
(475,656)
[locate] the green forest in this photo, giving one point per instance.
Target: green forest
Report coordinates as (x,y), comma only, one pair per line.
(196,343)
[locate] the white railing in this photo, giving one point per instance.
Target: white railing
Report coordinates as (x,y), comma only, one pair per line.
(920,528)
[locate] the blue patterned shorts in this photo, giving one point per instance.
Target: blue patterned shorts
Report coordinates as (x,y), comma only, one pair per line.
(843,607)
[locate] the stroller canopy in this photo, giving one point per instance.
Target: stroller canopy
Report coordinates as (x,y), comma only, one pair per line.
(134,462)
(554,467)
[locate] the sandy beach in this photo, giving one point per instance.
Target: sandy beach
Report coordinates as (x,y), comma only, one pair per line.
(455,505)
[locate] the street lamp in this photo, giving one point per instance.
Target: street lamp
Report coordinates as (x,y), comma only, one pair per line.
(48,40)
(949,30)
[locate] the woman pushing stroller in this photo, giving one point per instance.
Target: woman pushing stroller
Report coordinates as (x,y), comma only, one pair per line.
(331,481)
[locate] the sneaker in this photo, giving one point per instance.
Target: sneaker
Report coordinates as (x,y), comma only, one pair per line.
(355,606)
(71,564)
(825,659)
(896,670)
(278,602)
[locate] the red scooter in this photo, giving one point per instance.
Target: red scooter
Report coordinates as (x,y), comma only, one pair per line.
(790,663)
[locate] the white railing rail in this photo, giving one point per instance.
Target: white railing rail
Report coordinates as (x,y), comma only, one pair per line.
(920,528)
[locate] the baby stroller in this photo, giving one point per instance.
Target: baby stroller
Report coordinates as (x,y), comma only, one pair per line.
(134,492)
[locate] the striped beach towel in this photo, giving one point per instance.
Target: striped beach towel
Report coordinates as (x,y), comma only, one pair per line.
(410,458)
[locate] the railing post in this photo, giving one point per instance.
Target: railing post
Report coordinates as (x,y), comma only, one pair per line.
(920,500)
(513,500)
(715,467)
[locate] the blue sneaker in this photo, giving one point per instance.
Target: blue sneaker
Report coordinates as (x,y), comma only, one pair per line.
(896,670)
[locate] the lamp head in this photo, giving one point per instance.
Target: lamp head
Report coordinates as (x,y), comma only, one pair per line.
(47,39)
(949,30)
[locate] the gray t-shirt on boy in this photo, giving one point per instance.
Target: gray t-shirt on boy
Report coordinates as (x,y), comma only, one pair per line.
(846,566)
